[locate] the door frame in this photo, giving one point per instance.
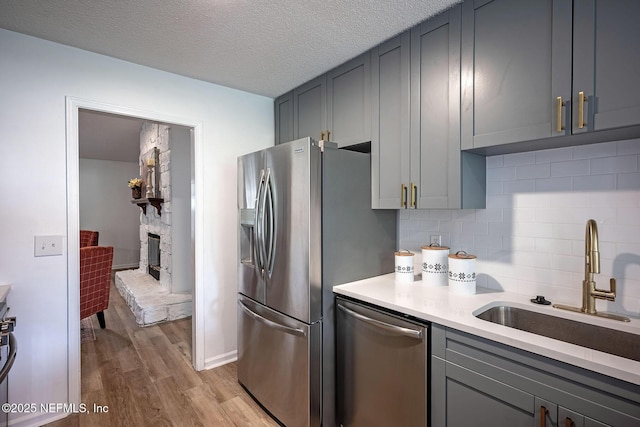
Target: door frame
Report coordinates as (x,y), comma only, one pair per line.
(73,105)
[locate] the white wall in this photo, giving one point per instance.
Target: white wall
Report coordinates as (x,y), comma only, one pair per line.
(530,239)
(105,206)
(182,276)
(37,76)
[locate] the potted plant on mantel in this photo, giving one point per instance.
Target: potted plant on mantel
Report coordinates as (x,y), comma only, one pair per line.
(135,184)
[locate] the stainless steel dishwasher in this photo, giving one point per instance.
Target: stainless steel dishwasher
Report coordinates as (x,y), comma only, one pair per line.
(382,374)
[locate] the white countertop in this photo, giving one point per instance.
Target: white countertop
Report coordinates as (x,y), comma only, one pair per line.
(436,304)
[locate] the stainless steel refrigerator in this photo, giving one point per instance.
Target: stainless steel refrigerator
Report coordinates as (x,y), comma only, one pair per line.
(305,225)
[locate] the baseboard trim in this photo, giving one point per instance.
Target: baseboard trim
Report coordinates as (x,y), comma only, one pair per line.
(222,359)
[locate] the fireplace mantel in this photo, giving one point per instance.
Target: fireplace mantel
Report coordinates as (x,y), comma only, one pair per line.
(153,201)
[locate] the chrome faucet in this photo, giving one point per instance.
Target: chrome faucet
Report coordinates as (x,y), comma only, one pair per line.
(592,266)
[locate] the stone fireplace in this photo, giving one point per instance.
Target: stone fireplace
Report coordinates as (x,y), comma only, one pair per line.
(160,289)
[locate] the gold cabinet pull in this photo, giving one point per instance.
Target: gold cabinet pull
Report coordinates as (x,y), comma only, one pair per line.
(543,416)
(568,422)
(581,101)
(321,136)
(414,195)
(403,196)
(328,135)
(559,105)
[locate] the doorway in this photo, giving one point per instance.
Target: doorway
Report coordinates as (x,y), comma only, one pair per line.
(74,107)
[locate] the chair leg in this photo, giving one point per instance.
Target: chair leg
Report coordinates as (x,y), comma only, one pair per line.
(100,315)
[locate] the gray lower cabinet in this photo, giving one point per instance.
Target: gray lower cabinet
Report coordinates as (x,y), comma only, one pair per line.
(541,69)
(479,382)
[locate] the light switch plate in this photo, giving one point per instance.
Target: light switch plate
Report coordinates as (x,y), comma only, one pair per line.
(48,245)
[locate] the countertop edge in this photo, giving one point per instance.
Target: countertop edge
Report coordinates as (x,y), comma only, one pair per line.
(438,305)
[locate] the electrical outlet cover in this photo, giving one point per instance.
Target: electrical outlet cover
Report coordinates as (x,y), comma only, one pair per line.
(48,245)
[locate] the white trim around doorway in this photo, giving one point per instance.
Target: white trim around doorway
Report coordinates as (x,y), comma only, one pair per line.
(73,105)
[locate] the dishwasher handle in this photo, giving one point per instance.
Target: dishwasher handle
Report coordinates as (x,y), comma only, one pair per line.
(407,332)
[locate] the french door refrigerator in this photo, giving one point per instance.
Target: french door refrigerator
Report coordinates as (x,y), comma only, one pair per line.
(305,225)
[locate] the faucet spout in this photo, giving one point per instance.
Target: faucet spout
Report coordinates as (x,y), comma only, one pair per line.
(592,249)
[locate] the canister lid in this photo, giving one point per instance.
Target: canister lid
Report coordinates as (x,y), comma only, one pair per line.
(435,248)
(462,255)
(404,253)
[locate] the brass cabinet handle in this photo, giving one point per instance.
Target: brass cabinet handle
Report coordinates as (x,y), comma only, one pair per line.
(543,416)
(414,195)
(581,101)
(568,422)
(403,196)
(328,135)
(321,136)
(559,105)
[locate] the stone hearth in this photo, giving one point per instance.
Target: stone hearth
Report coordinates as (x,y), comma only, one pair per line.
(149,302)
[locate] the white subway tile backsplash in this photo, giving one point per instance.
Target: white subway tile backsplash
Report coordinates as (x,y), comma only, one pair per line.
(554,184)
(629,146)
(519,159)
(570,168)
(594,182)
(530,239)
(621,164)
(591,151)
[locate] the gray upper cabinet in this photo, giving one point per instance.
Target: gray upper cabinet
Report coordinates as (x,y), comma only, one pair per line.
(349,102)
(516,61)
(606,60)
(416,158)
(390,142)
(283,106)
(335,106)
(535,70)
(310,108)
(440,177)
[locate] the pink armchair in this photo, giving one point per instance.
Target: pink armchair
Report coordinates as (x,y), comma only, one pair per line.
(88,238)
(95,281)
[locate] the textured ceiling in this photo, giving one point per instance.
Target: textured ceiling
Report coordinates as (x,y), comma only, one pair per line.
(265,47)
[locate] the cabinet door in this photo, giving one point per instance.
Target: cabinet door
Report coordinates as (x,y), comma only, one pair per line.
(516,61)
(606,60)
(435,112)
(349,102)
(283,111)
(390,150)
(477,400)
(310,108)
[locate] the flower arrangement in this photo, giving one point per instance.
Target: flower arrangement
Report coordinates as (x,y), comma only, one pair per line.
(135,182)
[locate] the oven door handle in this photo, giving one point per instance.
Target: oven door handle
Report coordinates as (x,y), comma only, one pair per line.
(13,349)
(407,332)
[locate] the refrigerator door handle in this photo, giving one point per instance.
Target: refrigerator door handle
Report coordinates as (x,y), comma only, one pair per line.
(407,332)
(271,239)
(259,226)
(271,323)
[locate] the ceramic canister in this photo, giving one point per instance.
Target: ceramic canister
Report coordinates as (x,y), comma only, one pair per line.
(404,266)
(435,265)
(462,273)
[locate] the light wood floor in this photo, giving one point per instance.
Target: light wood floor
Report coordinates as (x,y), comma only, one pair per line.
(145,378)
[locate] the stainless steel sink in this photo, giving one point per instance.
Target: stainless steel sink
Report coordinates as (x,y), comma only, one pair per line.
(612,341)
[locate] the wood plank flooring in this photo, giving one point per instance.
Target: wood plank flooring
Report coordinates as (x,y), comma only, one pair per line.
(145,378)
